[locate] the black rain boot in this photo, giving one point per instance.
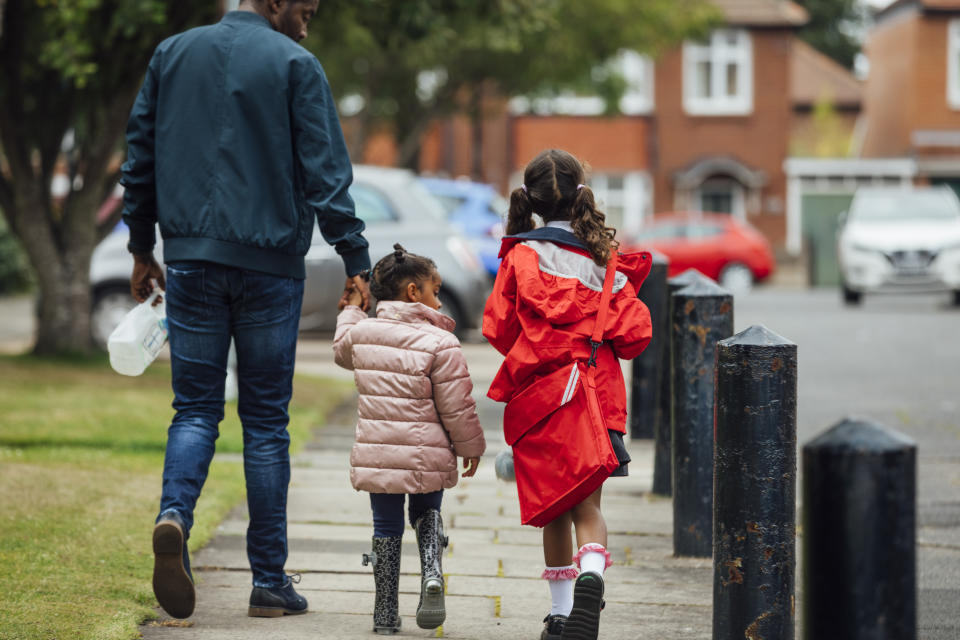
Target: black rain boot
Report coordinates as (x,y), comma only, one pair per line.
(386,576)
(584,620)
(431,611)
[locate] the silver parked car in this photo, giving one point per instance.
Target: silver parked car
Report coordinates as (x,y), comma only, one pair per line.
(900,240)
(394,206)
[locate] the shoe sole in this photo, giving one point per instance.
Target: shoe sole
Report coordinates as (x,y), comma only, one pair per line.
(172,586)
(272,612)
(388,630)
(432,611)
(583,622)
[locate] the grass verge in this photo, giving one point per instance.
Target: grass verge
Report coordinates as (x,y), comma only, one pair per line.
(81,455)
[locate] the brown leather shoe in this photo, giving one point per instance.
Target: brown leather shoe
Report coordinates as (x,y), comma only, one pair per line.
(172,583)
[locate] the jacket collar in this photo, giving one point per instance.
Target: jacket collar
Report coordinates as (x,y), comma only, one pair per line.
(414,312)
(549,234)
(245,17)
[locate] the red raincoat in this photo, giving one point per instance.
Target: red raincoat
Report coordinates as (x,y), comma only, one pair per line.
(542,310)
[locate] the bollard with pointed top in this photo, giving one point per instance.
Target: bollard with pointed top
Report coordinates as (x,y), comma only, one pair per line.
(662,459)
(859,533)
(701,315)
(648,373)
(755,476)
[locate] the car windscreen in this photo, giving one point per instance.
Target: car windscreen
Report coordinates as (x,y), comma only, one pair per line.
(934,204)
(427,201)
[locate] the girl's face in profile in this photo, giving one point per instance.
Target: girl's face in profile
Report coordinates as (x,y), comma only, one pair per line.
(426,291)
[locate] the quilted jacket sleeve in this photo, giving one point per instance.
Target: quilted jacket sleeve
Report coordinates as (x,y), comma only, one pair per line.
(342,342)
(452,390)
(501,326)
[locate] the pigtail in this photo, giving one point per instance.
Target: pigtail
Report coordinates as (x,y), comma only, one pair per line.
(520,218)
(589,224)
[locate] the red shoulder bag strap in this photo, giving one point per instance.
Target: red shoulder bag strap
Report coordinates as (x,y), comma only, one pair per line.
(597,338)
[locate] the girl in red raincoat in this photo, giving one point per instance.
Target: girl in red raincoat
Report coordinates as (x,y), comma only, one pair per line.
(543,316)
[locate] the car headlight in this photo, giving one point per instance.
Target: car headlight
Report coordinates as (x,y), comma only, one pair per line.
(464,254)
(862,248)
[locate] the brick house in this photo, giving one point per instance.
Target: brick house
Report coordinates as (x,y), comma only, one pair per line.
(707,126)
(912,94)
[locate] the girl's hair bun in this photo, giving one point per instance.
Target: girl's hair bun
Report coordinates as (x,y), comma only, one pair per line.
(394,269)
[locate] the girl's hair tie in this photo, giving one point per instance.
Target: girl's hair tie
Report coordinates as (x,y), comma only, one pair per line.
(524,187)
(398,253)
(580,186)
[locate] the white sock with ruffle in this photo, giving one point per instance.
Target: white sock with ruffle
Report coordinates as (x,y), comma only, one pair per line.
(560,580)
(593,557)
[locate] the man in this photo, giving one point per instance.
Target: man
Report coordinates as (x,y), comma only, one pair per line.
(235,148)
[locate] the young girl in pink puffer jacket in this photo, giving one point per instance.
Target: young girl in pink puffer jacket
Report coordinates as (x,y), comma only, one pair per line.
(416,414)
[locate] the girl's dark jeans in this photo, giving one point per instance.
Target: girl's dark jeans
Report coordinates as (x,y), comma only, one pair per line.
(388,511)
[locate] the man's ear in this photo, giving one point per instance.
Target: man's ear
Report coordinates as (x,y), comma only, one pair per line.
(413,292)
(274,6)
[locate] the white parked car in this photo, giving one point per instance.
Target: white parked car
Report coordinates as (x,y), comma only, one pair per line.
(898,240)
(394,206)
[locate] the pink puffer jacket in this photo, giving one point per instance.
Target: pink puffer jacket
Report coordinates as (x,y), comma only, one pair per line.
(416,413)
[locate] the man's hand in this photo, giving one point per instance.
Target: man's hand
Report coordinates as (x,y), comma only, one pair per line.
(470,467)
(145,269)
(356,284)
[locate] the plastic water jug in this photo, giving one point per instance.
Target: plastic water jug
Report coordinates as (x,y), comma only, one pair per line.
(139,337)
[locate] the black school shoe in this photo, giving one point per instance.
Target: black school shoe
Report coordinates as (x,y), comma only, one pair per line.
(552,626)
(273,602)
(172,580)
(583,622)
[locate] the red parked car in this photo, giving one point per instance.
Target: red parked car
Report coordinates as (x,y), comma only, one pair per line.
(717,244)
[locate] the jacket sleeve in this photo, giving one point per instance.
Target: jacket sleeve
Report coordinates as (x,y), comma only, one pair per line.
(137,173)
(452,391)
(631,332)
(324,164)
(501,326)
(342,342)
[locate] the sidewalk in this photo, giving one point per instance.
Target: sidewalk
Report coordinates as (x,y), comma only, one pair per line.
(492,565)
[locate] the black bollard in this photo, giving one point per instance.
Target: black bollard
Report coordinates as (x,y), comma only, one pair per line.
(647,372)
(859,534)
(755,487)
(662,460)
(702,315)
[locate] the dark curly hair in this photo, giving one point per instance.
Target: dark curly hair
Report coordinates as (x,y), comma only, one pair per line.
(394,270)
(553,188)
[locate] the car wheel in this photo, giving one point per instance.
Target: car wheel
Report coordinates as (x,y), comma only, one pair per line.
(850,296)
(450,307)
(110,305)
(736,277)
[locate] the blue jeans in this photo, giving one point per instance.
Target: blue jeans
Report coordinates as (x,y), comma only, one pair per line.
(388,511)
(207,304)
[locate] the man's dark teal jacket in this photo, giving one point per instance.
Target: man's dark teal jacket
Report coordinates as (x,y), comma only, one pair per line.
(235,147)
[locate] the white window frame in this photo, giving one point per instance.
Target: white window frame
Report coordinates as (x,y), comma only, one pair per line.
(953,64)
(720,53)
(637,72)
(635,198)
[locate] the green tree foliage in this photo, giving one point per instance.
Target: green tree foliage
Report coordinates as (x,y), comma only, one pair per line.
(832,26)
(71,66)
(377,49)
